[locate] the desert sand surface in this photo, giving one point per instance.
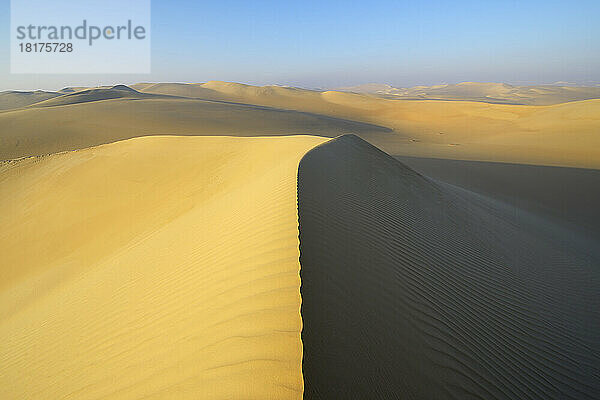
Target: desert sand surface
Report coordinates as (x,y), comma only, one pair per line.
(228,241)
(412,289)
(17,99)
(156,267)
(487,92)
(94,94)
(561,134)
(282,267)
(568,196)
(97,116)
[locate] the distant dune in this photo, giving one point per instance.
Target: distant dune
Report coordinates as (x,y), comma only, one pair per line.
(17,99)
(501,93)
(89,95)
(563,134)
(462,128)
(272,267)
(92,117)
(412,289)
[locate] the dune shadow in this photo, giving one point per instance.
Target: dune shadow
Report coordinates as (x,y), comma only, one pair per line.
(413,290)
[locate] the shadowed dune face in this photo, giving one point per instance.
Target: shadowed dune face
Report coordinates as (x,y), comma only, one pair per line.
(89,95)
(569,196)
(413,290)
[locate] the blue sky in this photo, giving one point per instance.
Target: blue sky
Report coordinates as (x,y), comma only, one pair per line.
(335,43)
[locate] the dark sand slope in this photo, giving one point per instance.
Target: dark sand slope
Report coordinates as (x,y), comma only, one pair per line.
(568,196)
(413,290)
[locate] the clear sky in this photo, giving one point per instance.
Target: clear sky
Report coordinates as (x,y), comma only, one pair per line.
(336,43)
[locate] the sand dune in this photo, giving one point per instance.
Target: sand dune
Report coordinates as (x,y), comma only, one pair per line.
(157,267)
(89,95)
(560,135)
(499,93)
(271,96)
(90,118)
(412,289)
(17,99)
(11,100)
(568,196)
(170,267)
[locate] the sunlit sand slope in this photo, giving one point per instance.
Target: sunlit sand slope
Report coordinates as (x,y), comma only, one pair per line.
(412,289)
(155,268)
(562,134)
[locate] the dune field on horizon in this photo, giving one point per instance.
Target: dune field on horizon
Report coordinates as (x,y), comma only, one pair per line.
(563,133)
(227,241)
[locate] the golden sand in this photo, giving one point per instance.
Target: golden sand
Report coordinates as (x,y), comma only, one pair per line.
(562,134)
(168,266)
(157,267)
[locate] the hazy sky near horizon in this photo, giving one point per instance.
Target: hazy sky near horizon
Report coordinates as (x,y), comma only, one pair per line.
(337,43)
